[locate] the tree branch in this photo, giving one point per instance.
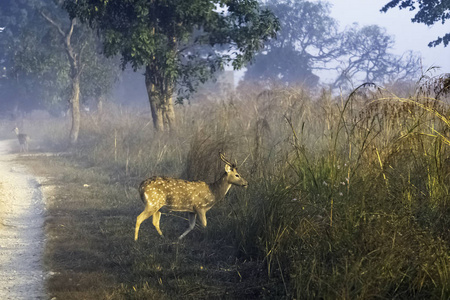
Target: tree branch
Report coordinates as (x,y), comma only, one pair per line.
(54,24)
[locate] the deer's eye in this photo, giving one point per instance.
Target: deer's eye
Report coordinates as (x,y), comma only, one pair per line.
(237,175)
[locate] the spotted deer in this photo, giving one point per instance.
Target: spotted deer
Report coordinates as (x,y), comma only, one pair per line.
(23,140)
(194,197)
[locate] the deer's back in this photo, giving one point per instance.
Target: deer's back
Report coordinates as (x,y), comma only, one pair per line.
(176,194)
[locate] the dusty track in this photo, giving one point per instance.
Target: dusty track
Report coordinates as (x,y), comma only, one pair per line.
(21,229)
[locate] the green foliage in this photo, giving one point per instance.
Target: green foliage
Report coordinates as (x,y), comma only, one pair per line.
(36,61)
(17,89)
(178,41)
(429,13)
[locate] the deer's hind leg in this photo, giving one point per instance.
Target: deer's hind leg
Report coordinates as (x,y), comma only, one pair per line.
(156,218)
(148,211)
(192,217)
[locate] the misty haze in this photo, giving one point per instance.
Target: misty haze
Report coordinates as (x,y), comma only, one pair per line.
(224,149)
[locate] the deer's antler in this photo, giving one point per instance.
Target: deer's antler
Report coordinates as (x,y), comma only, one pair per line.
(222,157)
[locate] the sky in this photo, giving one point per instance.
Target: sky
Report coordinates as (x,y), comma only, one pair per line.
(408,35)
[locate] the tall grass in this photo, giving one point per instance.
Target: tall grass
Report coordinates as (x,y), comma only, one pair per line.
(348,196)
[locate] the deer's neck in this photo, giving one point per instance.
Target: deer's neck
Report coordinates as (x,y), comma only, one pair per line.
(220,187)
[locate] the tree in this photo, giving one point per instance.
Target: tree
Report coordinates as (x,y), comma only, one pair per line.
(308,39)
(429,13)
(366,57)
(178,43)
(58,56)
(13,88)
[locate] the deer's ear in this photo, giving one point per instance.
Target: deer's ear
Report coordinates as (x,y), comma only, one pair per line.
(228,168)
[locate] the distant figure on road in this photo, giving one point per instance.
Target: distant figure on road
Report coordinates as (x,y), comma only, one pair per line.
(23,140)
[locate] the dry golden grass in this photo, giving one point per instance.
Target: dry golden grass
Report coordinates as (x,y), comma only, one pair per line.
(347,198)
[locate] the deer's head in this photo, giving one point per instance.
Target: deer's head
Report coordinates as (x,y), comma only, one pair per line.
(233,177)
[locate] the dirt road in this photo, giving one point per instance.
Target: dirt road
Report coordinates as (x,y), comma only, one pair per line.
(21,230)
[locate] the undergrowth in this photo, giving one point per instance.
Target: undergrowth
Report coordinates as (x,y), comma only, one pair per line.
(348,197)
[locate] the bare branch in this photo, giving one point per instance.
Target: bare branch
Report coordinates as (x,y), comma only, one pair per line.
(54,24)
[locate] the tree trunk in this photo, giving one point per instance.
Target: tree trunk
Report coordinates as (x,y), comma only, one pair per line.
(158,123)
(75,69)
(75,106)
(169,112)
(161,102)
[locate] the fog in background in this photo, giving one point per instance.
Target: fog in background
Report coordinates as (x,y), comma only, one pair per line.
(130,88)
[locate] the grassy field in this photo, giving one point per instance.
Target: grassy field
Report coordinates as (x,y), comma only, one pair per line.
(348,197)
